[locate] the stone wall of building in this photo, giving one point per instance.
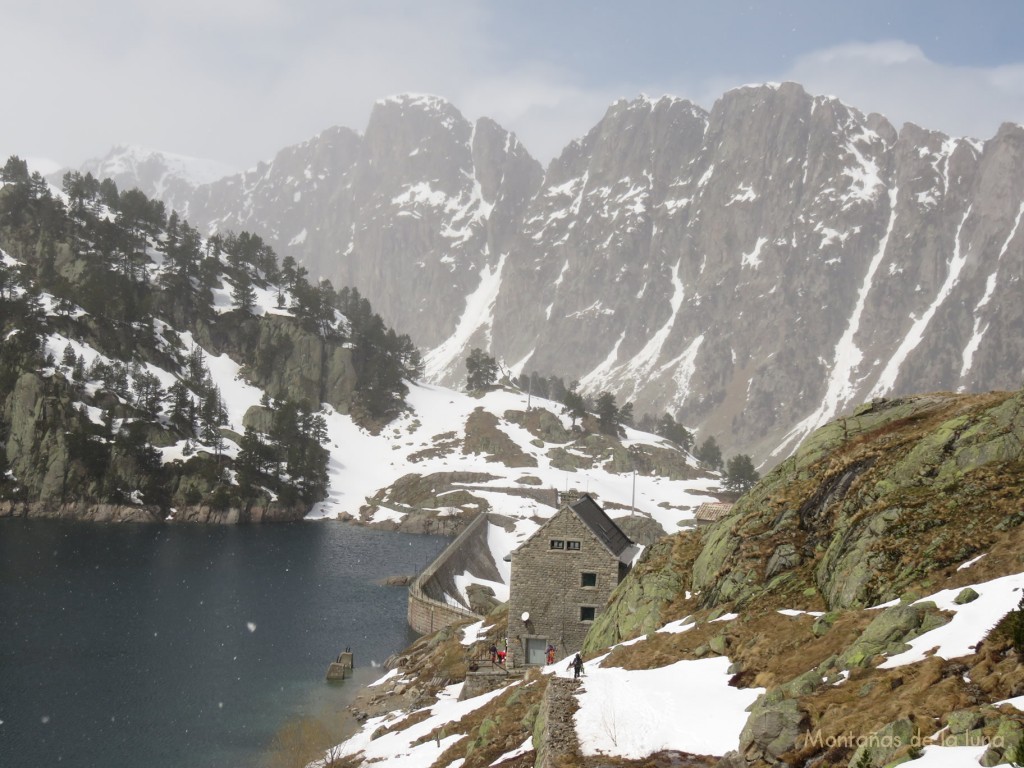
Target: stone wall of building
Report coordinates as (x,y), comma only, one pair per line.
(547,584)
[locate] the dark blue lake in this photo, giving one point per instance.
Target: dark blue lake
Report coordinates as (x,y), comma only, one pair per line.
(187,646)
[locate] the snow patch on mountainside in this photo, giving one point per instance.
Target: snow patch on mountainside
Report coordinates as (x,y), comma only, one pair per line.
(887,379)
(478,315)
(632,713)
(990,285)
(842,387)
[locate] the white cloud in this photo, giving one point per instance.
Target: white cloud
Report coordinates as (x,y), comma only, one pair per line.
(237,80)
(898,80)
(543,107)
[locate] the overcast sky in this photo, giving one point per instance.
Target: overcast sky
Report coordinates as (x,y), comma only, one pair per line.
(237,80)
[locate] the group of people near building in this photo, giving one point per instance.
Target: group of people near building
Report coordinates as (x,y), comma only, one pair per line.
(498,657)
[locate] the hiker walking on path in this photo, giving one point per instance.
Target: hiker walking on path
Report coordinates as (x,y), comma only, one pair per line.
(577,666)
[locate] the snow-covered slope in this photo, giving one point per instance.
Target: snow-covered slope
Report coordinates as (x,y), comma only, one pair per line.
(755,643)
(363,464)
(687,706)
(221,346)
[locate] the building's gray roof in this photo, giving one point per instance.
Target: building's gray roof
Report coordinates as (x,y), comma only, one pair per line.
(603,526)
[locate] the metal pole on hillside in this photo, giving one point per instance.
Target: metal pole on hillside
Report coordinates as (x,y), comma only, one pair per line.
(632,503)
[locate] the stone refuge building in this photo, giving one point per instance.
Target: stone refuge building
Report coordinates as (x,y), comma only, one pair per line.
(561,579)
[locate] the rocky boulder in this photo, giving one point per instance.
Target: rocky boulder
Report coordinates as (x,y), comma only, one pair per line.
(873,502)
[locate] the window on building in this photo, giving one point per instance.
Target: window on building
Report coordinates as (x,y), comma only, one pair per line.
(573,545)
(557,544)
(587,612)
(588,579)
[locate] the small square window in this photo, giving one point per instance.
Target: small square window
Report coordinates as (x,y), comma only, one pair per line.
(587,612)
(557,544)
(573,545)
(588,579)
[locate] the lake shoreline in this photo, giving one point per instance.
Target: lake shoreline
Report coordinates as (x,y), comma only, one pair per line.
(189,645)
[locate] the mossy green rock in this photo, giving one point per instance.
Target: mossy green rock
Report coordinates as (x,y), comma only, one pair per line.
(967,595)
(884,743)
(808,682)
(772,729)
(719,644)
(822,624)
(873,503)
(1005,744)
(963,720)
(635,607)
(886,634)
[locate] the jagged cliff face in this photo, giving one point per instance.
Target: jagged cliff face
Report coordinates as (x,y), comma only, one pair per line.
(753,270)
(415,213)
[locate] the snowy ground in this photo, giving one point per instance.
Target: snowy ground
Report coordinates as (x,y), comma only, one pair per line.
(362,463)
(689,705)
(970,623)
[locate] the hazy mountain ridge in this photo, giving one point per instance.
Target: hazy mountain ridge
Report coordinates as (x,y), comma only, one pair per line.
(753,269)
(415,207)
(167,176)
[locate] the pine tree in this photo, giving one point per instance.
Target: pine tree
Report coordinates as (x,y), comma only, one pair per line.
(709,454)
(481,370)
(196,374)
(574,404)
(668,428)
(68,359)
(244,294)
(212,416)
(740,474)
(249,463)
(607,414)
(626,415)
(148,393)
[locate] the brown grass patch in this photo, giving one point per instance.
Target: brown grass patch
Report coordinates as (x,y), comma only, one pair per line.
(484,436)
(771,648)
(871,698)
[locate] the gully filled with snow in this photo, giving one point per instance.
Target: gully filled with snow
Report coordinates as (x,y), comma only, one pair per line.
(172,646)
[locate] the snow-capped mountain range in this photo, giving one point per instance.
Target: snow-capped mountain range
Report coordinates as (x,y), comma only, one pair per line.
(755,269)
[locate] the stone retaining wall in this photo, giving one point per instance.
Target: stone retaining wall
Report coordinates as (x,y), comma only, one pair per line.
(554,733)
(488,679)
(428,612)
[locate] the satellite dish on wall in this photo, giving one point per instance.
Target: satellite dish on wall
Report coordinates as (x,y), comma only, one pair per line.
(526,616)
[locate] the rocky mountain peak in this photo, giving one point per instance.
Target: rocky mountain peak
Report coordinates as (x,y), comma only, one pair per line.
(751,269)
